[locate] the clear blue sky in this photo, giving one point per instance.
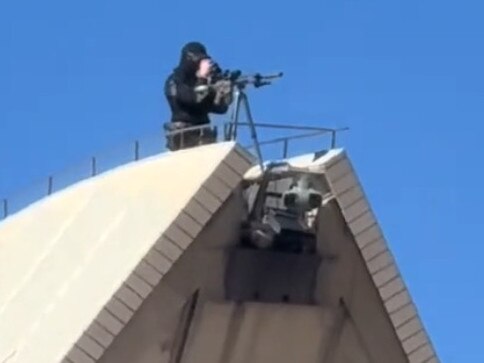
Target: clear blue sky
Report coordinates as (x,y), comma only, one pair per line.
(77,78)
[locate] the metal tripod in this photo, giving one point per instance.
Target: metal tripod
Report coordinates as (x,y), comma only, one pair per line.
(241,100)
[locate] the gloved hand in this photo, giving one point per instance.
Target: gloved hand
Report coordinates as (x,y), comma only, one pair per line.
(223,89)
(223,86)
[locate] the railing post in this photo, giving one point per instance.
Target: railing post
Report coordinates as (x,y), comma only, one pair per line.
(226,132)
(286,146)
(93,166)
(136,150)
(333,139)
(50,183)
(5,207)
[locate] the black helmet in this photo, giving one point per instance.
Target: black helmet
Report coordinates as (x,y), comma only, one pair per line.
(192,53)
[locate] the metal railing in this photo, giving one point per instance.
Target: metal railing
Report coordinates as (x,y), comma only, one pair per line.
(146,147)
(308,132)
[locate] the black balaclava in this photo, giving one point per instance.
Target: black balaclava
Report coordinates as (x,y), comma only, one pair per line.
(191,55)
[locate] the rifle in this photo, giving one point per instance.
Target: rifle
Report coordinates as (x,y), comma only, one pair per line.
(240,80)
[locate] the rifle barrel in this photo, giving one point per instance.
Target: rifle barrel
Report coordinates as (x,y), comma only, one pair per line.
(257,79)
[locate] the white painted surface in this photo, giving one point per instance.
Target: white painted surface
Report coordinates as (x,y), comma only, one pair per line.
(261,333)
(97,230)
(126,225)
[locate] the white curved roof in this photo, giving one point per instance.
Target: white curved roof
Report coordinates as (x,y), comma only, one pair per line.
(75,248)
(75,267)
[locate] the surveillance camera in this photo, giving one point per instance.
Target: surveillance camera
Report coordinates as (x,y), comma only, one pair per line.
(302,199)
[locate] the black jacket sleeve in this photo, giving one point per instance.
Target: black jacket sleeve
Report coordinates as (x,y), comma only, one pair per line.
(221,105)
(183,93)
(192,106)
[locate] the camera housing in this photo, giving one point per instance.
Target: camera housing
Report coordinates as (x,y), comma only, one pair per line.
(301,197)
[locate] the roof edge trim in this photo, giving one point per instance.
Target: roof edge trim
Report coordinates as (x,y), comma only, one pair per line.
(379,260)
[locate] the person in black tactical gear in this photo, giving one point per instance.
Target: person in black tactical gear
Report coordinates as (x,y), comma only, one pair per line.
(192,97)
